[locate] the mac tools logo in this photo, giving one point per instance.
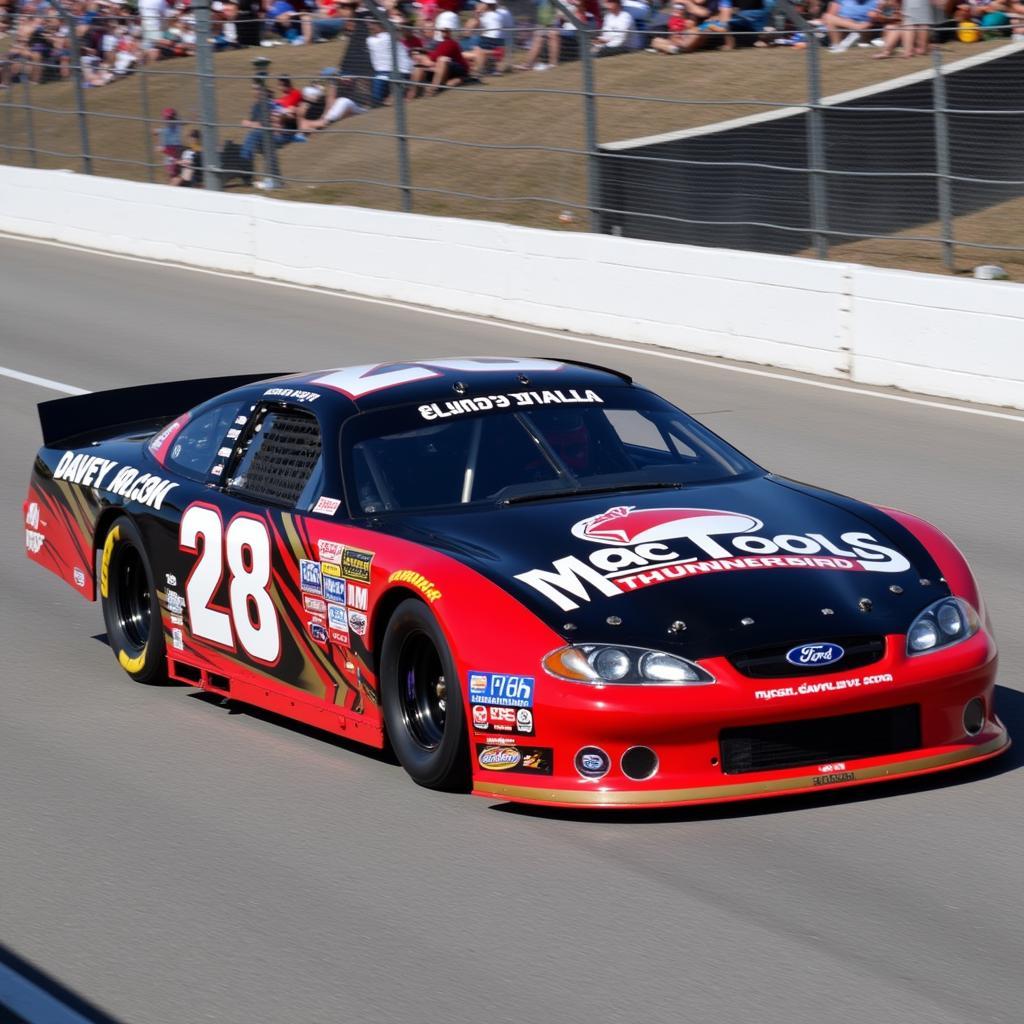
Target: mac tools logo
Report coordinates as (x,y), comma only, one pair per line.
(644,546)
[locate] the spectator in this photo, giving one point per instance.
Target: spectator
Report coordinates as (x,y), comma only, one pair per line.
(749,19)
(168,141)
(378,44)
(248,22)
(282,19)
(616,31)
(490,42)
(260,109)
(712,19)
(855,17)
(153,14)
(190,165)
(560,40)
(444,63)
(1016,11)
(289,97)
(989,15)
(324,21)
(327,106)
(224,16)
(678,26)
(914,30)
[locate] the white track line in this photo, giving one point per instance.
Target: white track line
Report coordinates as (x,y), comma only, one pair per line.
(43,382)
(652,352)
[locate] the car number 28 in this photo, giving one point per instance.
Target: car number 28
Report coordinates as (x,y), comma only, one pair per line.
(245,545)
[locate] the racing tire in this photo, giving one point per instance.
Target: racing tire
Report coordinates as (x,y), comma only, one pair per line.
(131,607)
(422,700)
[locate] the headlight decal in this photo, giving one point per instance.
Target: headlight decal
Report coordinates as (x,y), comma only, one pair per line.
(942,624)
(610,664)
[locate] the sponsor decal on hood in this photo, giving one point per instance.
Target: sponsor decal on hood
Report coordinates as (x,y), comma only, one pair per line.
(641,547)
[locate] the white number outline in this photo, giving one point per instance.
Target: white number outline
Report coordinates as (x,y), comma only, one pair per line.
(214,623)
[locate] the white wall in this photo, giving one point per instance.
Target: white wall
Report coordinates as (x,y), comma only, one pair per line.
(955,338)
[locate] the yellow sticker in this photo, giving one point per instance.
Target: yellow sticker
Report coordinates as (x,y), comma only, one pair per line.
(108,549)
(426,587)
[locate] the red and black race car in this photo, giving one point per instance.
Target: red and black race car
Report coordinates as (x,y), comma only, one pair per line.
(533,578)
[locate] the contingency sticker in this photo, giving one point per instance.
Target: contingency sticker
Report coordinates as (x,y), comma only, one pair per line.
(500,689)
(492,718)
(527,760)
(355,564)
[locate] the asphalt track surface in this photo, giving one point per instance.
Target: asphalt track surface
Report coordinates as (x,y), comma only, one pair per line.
(172,859)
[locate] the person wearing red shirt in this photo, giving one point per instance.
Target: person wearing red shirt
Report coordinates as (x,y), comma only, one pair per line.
(290,97)
(678,27)
(444,62)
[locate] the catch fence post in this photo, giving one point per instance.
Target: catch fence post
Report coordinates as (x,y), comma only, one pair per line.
(589,113)
(943,170)
(30,128)
(71,24)
(270,172)
(207,96)
(147,124)
(8,127)
(816,150)
(398,93)
(816,162)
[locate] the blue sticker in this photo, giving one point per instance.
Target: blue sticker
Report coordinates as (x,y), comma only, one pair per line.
(318,632)
(334,590)
(502,690)
(312,579)
(337,617)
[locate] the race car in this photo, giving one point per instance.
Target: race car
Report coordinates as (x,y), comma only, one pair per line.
(533,578)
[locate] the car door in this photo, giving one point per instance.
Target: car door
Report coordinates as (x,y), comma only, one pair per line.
(254,591)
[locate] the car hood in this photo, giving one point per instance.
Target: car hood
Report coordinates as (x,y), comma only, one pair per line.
(742,565)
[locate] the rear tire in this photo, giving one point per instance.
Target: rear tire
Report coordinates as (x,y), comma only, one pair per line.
(422,700)
(131,608)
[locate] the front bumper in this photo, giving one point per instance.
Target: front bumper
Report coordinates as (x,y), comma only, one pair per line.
(683,726)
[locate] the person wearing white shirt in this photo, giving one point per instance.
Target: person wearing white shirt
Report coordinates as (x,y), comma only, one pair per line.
(494,22)
(378,43)
(153,15)
(616,31)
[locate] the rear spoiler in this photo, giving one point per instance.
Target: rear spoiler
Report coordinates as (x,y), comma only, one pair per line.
(100,413)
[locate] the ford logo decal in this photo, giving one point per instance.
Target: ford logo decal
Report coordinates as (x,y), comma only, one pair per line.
(814,654)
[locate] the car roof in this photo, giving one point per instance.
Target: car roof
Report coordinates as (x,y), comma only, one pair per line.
(380,385)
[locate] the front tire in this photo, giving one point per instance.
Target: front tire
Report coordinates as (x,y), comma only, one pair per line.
(131,608)
(422,699)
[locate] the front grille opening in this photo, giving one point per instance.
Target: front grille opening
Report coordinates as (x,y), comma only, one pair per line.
(770,662)
(760,748)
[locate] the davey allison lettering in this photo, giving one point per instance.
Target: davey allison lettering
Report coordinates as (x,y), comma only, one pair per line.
(516,399)
(129,483)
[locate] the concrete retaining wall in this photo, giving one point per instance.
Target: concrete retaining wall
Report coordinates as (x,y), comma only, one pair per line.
(955,338)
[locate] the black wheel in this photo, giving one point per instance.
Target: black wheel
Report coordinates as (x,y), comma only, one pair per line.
(422,700)
(131,608)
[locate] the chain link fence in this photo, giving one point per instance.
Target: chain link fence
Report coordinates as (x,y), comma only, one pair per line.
(758,128)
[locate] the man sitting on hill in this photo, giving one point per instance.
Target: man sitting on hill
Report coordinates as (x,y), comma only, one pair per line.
(444,62)
(853,16)
(616,31)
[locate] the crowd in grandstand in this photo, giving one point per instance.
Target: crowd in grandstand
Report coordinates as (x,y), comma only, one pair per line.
(440,44)
(447,42)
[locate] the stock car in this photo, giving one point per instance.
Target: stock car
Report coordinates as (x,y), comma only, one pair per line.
(532,578)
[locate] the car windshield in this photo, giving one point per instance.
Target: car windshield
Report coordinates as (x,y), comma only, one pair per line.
(457,453)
